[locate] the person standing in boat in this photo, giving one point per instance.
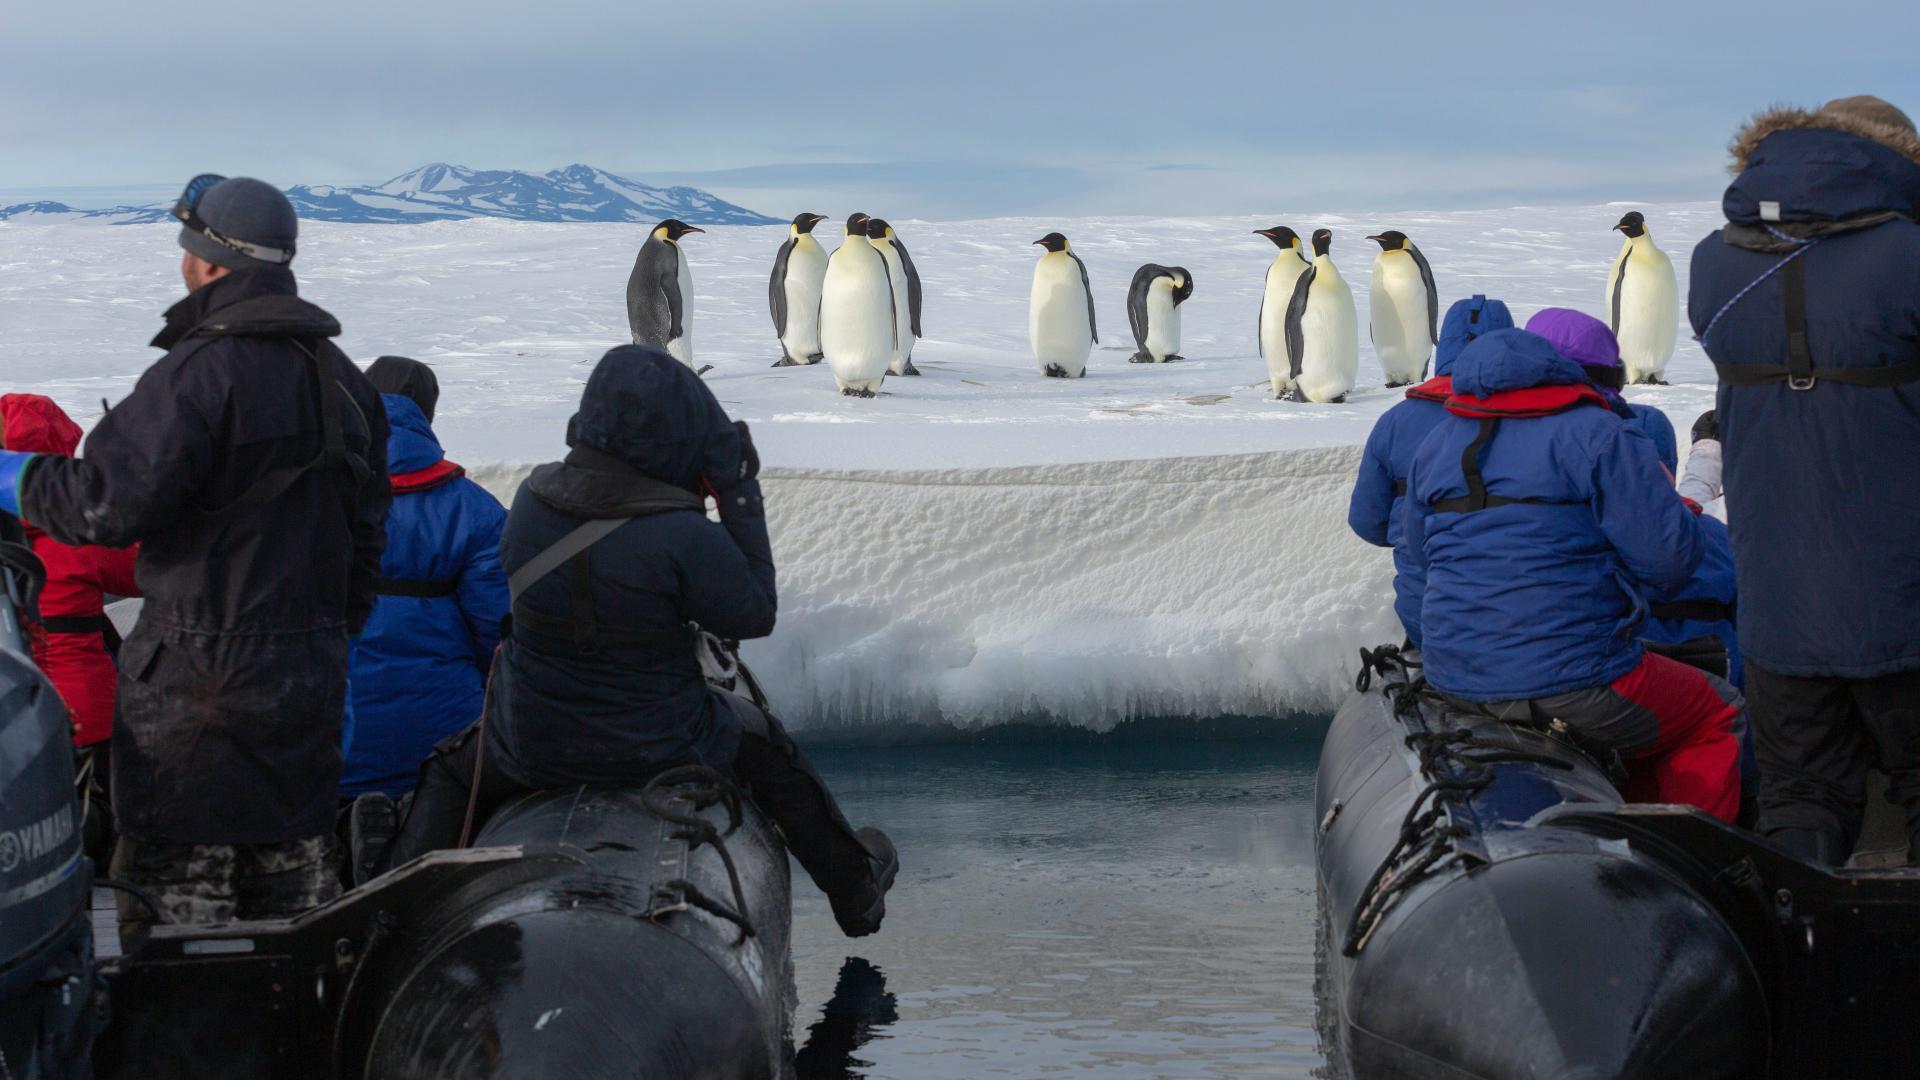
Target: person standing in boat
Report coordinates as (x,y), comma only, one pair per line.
(1808,304)
(611,557)
(250,465)
(419,669)
(1379,491)
(1538,514)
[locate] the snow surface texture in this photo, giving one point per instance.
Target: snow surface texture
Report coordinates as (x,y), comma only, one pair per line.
(974,545)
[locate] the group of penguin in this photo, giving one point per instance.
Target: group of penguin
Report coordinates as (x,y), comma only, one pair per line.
(858,309)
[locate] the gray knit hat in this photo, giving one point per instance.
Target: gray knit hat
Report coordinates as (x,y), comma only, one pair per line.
(1869,108)
(248,223)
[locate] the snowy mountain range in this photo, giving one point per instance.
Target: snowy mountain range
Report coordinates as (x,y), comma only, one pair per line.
(440,192)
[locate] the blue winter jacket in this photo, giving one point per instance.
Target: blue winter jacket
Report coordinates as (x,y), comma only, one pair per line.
(1529,599)
(1380,489)
(595,688)
(1822,484)
(1704,605)
(1653,423)
(419,669)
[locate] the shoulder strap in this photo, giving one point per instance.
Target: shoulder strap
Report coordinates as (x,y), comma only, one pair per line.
(424,590)
(333,451)
(548,560)
(1477,497)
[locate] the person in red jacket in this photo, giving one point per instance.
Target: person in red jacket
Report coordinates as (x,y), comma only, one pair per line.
(72,638)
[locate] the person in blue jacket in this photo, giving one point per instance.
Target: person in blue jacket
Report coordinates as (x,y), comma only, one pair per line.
(418,671)
(599,681)
(1539,514)
(1380,489)
(1808,304)
(1590,343)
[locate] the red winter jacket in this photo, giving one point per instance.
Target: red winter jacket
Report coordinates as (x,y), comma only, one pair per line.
(69,643)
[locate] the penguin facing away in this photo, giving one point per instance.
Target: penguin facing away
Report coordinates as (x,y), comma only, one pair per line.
(1643,302)
(793,293)
(1282,274)
(1060,319)
(906,287)
(1403,309)
(1323,333)
(857,324)
(660,292)
(1153,311)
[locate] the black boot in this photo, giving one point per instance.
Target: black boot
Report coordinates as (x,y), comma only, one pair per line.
(860,907)
(372,822)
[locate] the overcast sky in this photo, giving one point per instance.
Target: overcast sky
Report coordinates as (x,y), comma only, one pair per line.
(931,108)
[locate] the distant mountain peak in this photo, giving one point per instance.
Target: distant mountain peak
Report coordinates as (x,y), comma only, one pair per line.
(441,192)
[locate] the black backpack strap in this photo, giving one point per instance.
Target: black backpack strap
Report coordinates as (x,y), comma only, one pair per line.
(1692,611)
(1798,372)
(333,450)
(583,627)
(82,624)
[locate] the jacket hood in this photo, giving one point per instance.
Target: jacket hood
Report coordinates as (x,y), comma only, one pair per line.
(1512,360)
(33,423)
(265,302)
(1466,320)
(404,375)
(1799,165)
(411,444)
(653,413)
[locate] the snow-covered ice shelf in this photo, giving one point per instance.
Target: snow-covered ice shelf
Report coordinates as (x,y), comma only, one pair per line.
(975,544)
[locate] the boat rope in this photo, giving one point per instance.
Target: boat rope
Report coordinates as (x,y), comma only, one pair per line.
(702,787)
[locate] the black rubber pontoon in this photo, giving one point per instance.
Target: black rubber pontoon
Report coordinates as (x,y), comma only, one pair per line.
(589,934)
(1491,909)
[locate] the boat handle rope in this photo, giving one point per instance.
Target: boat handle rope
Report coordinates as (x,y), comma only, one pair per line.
(702,787)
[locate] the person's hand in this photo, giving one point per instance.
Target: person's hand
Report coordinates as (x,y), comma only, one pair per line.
(749,456)
(1707,427)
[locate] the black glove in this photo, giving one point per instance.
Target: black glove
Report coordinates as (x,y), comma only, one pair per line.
(749,457)
(1707,427)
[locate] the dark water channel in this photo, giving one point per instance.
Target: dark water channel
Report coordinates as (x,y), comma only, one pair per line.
(1133,905)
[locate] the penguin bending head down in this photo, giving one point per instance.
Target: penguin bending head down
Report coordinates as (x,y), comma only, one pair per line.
(906,294)
(1403,309)
(858,328)
(1153,312)
(1282,274)
(793,293)
(1323,333)
(1060,320)
(1643,302)
(660,292)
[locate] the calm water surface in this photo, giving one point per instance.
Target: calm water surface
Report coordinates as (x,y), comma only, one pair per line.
(1112,906)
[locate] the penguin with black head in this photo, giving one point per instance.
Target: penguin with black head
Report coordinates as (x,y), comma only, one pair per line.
(660,292)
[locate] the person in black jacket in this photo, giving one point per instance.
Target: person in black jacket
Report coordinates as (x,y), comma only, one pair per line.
(598,682)
(250,466)
(1808,304)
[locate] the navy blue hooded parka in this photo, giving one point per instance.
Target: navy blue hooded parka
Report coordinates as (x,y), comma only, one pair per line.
(1822,483)
(1379,491)
(418,672)
(1540,597)
(648,439)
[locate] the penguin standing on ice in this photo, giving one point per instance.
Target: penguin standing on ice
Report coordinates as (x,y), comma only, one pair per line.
(1643,303)
(1323,333)
(906,294)
(793,294)
(1153,311)
(1284,271)
(660,292)
(1060,321)
(857,324)
(1403,309)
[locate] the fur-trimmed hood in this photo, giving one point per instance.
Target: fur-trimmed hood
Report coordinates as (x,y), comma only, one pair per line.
(1901,140)
(1799,170)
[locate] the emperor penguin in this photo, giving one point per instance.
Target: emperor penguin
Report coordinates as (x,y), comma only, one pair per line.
(857,325)
(1281,276)
(1060,321)
(660,292)
(906,294)
(1403,309)
(1643,303)
(793,294)
(1153,311)
(1323,333)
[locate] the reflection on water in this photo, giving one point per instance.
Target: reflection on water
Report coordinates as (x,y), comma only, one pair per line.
(1143,907)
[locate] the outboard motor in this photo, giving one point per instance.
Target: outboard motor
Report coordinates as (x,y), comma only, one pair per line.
(46,939)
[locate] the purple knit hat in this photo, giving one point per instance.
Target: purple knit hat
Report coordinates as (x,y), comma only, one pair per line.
(1585,340)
